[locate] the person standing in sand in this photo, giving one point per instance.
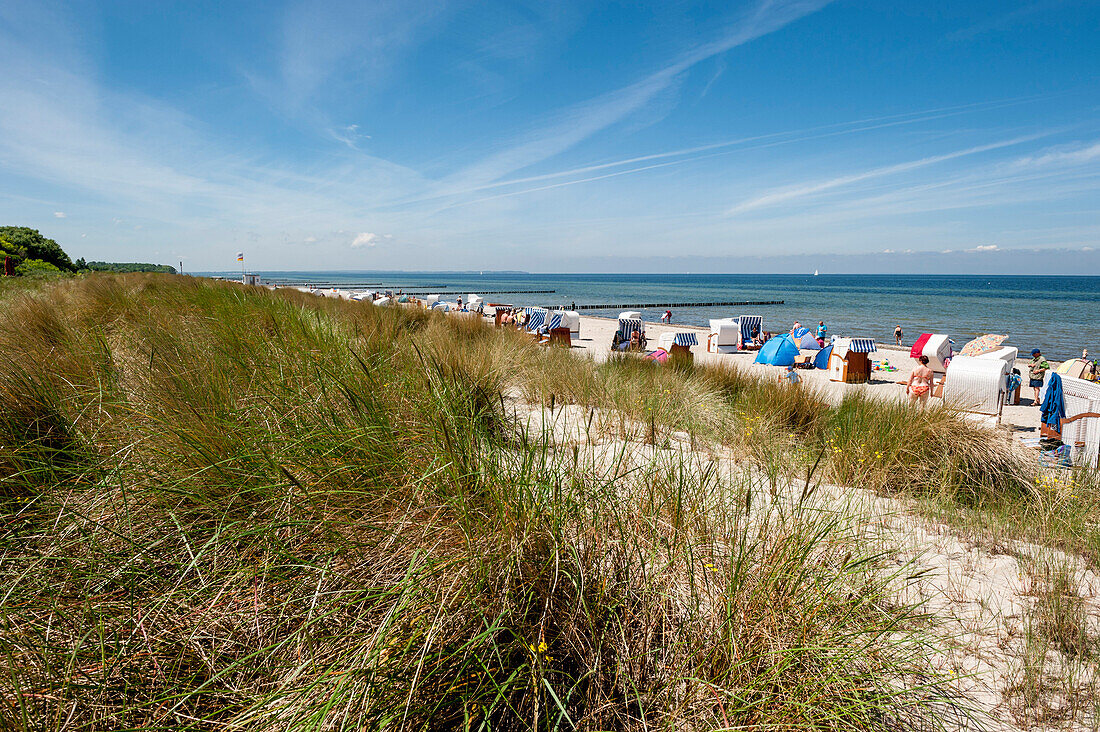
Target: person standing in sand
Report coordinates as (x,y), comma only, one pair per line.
(919,385)
(821,332)
(897,335)
(1036,370)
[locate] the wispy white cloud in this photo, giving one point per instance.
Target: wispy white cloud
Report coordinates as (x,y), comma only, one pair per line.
(576,123)
(802,190)
(59,214)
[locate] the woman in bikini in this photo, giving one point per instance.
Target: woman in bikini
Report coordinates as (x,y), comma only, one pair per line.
(920,382)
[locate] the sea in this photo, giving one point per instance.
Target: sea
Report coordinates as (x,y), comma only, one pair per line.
(1058,314)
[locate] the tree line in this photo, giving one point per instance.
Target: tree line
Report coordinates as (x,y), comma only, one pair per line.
(32,254)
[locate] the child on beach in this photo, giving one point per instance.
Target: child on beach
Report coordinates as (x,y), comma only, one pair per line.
(790,376)
(919,385)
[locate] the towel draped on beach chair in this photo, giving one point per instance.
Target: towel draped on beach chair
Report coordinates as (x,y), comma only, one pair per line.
(1053,408)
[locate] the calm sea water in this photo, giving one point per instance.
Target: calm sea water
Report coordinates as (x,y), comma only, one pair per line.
(1060,315)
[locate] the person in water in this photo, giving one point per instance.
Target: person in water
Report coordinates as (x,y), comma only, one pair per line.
(897,335)
(919,385)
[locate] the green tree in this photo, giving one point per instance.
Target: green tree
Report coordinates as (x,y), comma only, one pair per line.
(37,246)
(80,264)
(36,268)
(7,249)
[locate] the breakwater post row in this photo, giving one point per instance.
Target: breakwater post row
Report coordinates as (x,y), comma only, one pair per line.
(629,306)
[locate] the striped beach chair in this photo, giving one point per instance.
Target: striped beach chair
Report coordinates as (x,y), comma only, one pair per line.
(536,317)
(678,344)
(557,331)
(848,361)
(627,328)
(749,323)
(687,340)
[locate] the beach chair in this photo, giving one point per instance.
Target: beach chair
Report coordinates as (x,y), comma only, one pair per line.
(572,320)
(627,327)
(678,344)
(556,332)
(536,317)
(746,325)
(848,361)
(724,336)
(976,385)
(1081,426)
(938,349)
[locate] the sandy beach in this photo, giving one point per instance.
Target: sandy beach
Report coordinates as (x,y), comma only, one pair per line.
(596,334)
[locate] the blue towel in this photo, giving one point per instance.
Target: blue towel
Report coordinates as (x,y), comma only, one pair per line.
(1053,409)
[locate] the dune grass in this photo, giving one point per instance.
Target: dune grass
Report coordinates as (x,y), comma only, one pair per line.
(228,508)
(233,508)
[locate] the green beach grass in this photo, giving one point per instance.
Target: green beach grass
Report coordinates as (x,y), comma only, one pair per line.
(231,508)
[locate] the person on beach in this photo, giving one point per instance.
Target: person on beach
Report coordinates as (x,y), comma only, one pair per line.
(795,327)
(1036,370)
(667,317)
(897,335)
(821,331)
(919,386)
(790,376)
(636,341)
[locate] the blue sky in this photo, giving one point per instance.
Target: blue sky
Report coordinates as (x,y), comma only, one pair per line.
(441,134)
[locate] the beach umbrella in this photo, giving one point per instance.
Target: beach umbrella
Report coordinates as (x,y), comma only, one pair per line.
(658,356)
(983,344)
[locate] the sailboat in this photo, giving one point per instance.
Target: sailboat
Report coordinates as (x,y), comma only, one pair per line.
(815,273)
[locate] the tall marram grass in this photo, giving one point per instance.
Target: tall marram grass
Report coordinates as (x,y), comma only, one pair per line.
(238,509)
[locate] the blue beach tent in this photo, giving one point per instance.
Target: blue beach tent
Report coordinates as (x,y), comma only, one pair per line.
(779,351)
(821,360)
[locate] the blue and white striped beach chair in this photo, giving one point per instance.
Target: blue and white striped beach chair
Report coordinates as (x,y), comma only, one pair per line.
(862,345)
(687,340)
(749,323)
(536,317)
(627,328)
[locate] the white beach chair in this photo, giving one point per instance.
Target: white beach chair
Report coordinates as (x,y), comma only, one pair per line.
(1081,397)
(572,320)
(976,384)
(938,350)
(725,336)
(1008,354)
